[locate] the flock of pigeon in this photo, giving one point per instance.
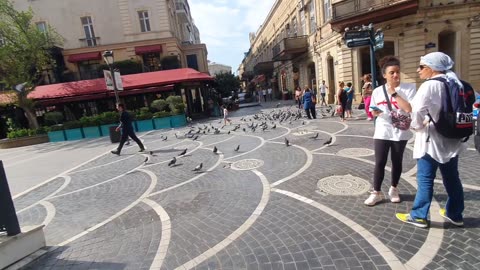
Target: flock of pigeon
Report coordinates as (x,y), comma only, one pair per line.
(250,124)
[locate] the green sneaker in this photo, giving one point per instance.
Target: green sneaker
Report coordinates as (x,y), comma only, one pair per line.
(443,213)
(422,223)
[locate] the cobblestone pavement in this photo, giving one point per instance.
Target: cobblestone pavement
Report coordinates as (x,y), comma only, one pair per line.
(265,206)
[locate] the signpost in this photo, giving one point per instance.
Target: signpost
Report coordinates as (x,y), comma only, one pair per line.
(366,37)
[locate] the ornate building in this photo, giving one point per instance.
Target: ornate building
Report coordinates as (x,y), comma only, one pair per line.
(301,42)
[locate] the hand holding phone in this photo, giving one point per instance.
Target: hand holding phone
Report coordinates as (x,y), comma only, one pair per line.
(375,108)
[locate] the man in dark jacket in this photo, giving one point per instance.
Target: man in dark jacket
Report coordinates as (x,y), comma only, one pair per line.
(127,130)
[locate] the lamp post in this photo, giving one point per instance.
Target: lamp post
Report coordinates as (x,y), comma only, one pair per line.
(108,57)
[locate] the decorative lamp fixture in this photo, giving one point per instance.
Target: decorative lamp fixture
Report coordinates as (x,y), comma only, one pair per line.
(108,57)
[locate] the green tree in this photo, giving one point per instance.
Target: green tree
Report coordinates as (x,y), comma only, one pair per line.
(226,83)
(24,54)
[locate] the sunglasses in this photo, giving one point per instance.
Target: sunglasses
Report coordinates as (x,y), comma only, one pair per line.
(421,67)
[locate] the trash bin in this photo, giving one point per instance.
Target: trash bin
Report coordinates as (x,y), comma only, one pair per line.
(114,135)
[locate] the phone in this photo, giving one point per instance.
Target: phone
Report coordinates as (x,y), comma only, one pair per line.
(375,108)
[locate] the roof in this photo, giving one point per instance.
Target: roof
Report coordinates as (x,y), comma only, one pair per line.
(130,82)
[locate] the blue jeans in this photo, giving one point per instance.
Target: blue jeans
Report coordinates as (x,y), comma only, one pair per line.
(426,171)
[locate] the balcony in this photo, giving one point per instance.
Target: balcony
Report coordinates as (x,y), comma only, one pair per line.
(89,42)
(263,67)
(181,9)
(358,12)
(289,48)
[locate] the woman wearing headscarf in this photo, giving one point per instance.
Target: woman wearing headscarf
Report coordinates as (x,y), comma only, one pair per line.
(437,151)
(388,138)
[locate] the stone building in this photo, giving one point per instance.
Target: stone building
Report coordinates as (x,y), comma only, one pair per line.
(151,32)
(301,42)
(217,68)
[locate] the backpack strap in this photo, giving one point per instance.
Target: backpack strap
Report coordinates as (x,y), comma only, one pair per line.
(386,97)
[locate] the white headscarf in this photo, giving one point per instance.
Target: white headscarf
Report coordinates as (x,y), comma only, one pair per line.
(439,61)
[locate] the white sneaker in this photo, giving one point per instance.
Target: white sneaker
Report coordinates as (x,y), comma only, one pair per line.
(393,194)
(374,198)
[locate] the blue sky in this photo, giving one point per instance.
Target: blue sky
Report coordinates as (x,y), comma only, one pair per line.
(224,26)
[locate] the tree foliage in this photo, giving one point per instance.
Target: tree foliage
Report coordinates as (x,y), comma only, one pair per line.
(226,83)
(24,53)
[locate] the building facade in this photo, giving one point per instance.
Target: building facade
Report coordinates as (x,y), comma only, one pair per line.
(154,33)
(216,68)
(302,42)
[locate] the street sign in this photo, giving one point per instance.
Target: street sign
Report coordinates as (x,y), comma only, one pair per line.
(379,41)
(357,35)
(109,81)
(358,42)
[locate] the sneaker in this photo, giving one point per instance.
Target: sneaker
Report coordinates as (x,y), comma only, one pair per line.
(141,150)
(127,143)
(369,119)
(393,194)
(115,152)
(422,223)
(443,213)
(374,198)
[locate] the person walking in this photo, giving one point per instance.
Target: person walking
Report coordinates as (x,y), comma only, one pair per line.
(350,92)
(431,149)
(298,96)
(264,93)
(269,91)
(341,99)
(309,100)
(367,94)
(387,138)
(323,93)
(225,115)
(127,130)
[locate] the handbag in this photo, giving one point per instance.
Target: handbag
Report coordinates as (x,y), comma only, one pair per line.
(399,120)
(339,109)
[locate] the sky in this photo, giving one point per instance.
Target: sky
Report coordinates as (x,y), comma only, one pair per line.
(224,26)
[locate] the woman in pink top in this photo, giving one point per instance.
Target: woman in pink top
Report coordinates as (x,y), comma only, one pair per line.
(298,97)
(367,94)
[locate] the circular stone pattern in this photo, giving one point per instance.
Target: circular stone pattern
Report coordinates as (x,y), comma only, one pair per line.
(343,185)
(247,164)
(356,152)
(302,133)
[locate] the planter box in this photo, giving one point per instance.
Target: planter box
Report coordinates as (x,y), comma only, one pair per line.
(178,120)
(160,123)
(23,141)
(144,125)
(105,129)
(56,136)
(92,132)
(74,134)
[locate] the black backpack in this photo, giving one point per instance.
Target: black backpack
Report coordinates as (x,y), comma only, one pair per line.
(454,121)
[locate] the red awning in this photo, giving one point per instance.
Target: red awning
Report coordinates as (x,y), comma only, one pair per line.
(131,83)
(148,49)
(84,57)
(259,78)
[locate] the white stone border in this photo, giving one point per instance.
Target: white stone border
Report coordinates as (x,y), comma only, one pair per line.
(166,234)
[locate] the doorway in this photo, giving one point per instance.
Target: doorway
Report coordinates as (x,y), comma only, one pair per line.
(446,44)
(388,49)
(331,80)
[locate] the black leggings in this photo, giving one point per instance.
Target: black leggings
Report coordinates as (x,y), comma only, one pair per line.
(381,154)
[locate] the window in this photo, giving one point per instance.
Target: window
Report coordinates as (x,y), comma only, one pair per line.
(42,27)
(89,33)
(303,22)
(294,27)
(327,11)
(192,61)
(144,21)
(89,69)
(313,18)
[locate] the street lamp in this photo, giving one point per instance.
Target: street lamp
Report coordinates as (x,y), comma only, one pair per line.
(108,57)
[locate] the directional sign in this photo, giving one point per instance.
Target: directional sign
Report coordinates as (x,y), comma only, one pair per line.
(379,41)
(357,35)
(358,42)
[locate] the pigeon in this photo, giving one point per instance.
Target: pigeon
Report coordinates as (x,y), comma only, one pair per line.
(237,148)
(215,149)
(164,139)
(287,143)
(228,132)
(146,159)
(183,152)
(315,137)
(172,162)
(195,138)
(244,130)
(274,126)
(278,104)
(176,136)
(198,168)
(329,141)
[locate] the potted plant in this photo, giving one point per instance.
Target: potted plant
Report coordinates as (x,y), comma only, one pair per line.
(161,120)
(143,120)
(91,126)
(56,133)
(177,109)
(73,130)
